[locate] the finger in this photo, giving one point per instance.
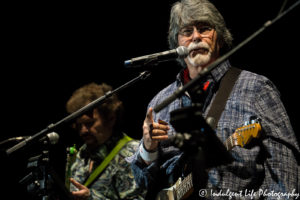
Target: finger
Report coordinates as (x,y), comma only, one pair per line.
(156,132)
(149,116)
(160,126)
(162,122)
(77,184)
(160,137)
(78,193)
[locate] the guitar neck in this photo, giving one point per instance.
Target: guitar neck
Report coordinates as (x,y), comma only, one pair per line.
(230,142)
(243,136)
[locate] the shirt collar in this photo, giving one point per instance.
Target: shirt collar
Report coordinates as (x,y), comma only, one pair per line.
(102,151)
(219,71)
(216,74)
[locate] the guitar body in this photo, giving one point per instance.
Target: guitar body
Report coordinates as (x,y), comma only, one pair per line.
(166,194)
(183,188)
(170,194)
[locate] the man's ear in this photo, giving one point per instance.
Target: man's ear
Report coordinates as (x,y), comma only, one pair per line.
(73,125)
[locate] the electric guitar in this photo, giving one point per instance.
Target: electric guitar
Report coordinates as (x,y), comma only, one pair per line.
(183,188)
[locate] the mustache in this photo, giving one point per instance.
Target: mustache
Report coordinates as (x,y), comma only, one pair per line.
(201,45)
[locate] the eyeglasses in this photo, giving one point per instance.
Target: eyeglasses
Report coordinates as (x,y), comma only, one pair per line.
(203,29)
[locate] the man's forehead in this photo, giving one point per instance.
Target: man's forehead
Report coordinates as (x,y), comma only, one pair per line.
(86,116)
(197,22)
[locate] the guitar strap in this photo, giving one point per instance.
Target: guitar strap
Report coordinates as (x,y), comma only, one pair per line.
(107,160)
(215,111)
(222,95)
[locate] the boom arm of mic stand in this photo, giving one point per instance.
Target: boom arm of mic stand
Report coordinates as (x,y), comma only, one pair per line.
(180,91)
(76,114)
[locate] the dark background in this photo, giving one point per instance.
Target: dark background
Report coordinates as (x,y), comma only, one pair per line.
(51,49)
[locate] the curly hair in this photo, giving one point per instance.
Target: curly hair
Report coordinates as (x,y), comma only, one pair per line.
(92,91)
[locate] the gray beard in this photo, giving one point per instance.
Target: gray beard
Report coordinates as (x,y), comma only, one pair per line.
(199,60)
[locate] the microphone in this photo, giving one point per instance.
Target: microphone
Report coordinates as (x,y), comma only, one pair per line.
(179,52)
(51,137)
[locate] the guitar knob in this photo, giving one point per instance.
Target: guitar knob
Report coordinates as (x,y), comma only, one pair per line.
(210,121)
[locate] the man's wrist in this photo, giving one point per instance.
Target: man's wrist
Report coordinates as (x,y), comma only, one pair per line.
(148,156)
(148,150)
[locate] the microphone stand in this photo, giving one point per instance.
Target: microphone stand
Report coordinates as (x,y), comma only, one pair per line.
(180,91)
(76,114)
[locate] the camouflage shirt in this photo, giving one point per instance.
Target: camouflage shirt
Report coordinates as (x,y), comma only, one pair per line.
(117,180)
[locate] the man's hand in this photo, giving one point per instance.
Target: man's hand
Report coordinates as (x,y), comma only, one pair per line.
(154,132)
(83,192)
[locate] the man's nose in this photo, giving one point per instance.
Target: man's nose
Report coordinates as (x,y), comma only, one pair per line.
(196,37)
(84,129)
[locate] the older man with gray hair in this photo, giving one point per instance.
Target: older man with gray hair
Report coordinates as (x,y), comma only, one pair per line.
(264,167)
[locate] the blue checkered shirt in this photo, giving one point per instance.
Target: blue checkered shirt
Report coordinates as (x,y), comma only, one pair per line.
(269,168)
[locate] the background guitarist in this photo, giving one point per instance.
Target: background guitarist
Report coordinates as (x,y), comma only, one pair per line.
(269,164)
(100,130)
